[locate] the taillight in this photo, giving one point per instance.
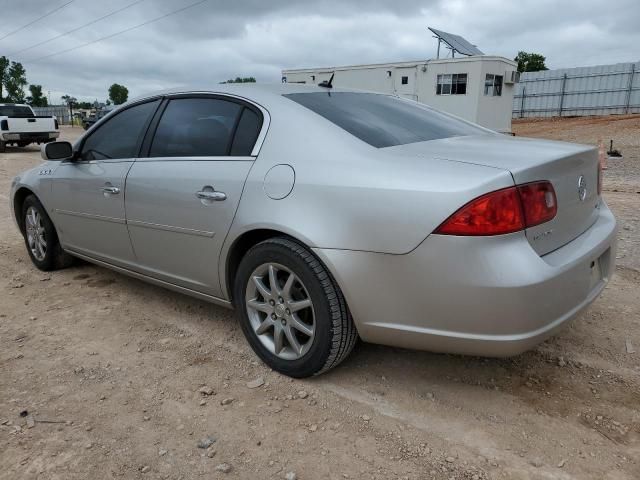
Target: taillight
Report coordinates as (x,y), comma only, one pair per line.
(503,211)
(4,125)
(538,202)
(495,213)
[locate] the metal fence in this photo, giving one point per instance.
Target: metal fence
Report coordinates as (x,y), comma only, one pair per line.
(60,111)
(600,90)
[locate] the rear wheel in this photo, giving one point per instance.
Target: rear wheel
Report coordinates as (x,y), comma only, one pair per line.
(291,311)
(41,238)
(3,146)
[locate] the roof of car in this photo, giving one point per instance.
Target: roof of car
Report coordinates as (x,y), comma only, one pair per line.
(254,91)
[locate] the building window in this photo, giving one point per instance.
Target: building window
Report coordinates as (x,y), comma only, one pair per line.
(452,84)
(405,80)
(493,85)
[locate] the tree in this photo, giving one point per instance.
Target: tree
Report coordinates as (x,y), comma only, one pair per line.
(37,99)
(4,70)
(15,81)
(118,94)
(530,62)
(241,80)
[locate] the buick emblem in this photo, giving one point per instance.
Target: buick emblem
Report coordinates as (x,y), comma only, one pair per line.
(582,188)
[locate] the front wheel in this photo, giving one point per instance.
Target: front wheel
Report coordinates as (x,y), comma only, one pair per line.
(291,311)
(41,238)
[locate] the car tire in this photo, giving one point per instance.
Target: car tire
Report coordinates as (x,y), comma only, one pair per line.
(333,333)
(41,238)
(3,147)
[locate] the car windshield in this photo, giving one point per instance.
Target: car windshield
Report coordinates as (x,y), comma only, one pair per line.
(384,120)
(15,111)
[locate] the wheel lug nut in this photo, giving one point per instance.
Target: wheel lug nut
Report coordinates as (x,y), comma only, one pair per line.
(272,303)
(288,311)
(274,316)
(284,322)
(280,300)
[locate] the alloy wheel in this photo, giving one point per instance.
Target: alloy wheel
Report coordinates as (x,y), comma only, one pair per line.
(280,311)
(35,234)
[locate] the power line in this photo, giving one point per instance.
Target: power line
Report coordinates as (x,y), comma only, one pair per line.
(77,28)
(36,20)
(118,33)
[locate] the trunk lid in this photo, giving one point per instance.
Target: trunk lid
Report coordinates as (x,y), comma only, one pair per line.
(572,169)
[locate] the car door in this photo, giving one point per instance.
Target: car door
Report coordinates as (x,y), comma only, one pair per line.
(181,198)
(88,190)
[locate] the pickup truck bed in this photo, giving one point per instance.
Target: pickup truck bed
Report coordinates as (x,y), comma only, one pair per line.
(19,126)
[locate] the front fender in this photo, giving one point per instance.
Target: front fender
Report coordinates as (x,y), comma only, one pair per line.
(37,181)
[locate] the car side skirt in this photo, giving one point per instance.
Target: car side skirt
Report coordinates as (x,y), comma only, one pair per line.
(186,291)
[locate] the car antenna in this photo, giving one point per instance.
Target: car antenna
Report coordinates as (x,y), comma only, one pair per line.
(327,83)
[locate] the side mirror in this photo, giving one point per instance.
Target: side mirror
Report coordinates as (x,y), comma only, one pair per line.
(56,150)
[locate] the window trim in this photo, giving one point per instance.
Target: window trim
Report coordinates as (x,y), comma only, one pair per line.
(112,114)
(243,102)
(451,84)
(493,85)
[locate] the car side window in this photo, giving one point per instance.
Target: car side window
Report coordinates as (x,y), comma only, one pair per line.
(121,135)
(196,127)
(246,133)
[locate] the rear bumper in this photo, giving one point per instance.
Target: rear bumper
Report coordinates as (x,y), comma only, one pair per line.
(489,296)
(29,136)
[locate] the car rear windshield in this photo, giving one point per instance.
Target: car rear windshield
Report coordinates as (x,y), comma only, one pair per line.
(383,120)
(15,111)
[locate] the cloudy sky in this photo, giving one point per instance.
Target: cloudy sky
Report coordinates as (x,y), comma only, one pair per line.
(212,40)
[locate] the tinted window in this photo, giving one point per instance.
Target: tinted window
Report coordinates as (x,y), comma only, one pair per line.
(383,120)
(246,133)
(195,127)
(120,136)
(15,111)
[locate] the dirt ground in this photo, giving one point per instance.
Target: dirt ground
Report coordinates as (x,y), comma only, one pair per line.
(137,376)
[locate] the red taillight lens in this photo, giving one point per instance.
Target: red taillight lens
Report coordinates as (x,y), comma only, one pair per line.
(504,211)
(495,213)
(538,202)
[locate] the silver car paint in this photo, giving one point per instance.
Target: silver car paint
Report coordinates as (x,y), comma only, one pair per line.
(530,160)
(88,219)
(474,295)
(171,230)
(368,214)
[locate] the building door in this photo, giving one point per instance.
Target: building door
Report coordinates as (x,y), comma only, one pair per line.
(405,82)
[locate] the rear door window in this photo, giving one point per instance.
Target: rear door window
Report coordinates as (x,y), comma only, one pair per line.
(384,120)
(196,127)
(246,133)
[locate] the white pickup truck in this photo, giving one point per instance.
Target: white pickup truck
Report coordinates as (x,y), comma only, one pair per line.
(20,126)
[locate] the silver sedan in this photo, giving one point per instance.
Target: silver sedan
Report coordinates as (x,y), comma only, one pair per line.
(325,215)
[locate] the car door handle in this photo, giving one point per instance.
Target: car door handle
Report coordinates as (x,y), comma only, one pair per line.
(113,190)
(211,195)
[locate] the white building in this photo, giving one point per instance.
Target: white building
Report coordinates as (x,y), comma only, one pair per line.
(478,88)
